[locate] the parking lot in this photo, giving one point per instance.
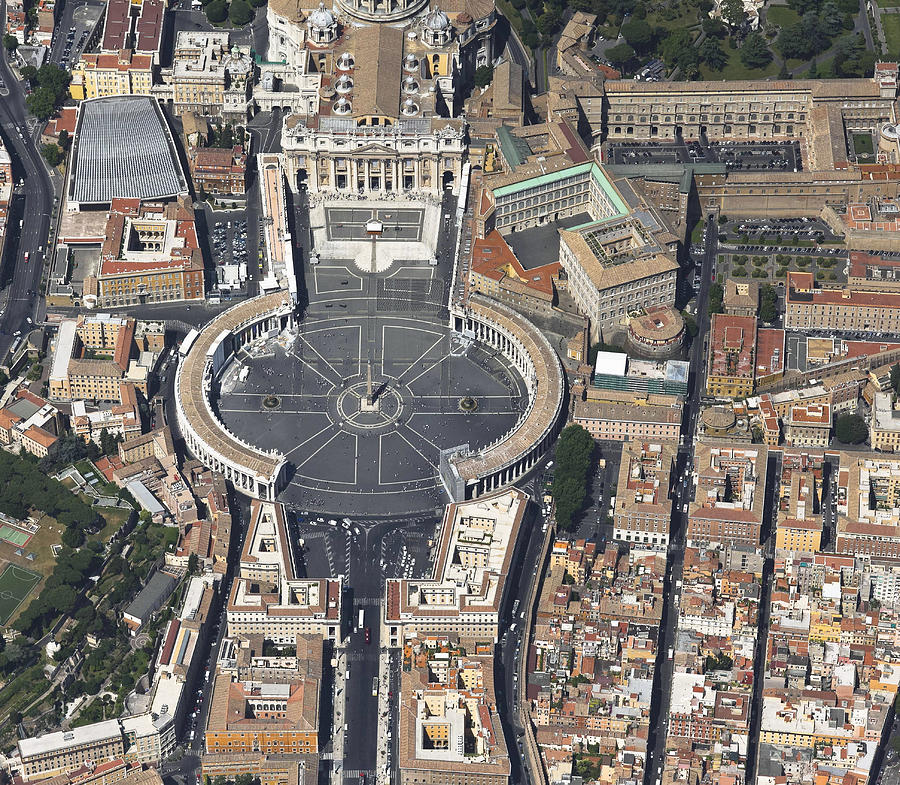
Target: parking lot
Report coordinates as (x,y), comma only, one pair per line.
(74,33)
(234,252)
(777,156)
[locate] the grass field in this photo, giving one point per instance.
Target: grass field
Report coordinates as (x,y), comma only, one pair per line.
(15,585)
(735,69)
(891,25)
(888,3)
(782,16)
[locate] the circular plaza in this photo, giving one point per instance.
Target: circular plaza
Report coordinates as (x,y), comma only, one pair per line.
(378,402)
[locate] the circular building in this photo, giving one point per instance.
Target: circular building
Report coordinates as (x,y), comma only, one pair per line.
(658,331)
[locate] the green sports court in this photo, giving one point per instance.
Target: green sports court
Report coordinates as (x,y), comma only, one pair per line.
(13,535)
(15,585)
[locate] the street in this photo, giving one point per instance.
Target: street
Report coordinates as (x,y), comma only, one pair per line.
(22,279)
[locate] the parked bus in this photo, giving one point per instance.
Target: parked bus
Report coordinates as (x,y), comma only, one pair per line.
(362,620)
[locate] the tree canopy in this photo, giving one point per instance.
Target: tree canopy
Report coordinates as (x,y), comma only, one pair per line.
(484,74)
(768,303)
(754,52)
(851,429)
(240,12)
(573,460)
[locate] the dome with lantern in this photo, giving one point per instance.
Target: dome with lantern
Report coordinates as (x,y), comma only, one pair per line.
(322,25)
(436,28)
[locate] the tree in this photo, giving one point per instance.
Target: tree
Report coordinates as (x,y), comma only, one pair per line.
(72,537)
(10,43)
(716,295)
(638,34)
(714,28)
(41,103)
(64,141)
(813,72)
(240,13)
(573,460)
(733,13)
(851,429)
(620,54)
(713,55)
(754,52)
(484,74)
(193,564)
(548,21)
(678,50)
(768,303)
(52,154)
(217,11)
(257,3)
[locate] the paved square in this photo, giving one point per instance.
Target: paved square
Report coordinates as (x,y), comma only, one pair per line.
(397,224)
(354,451)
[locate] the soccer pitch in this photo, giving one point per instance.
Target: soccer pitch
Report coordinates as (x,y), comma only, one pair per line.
(15,585)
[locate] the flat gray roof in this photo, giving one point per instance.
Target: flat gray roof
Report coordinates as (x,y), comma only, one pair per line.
(152,596)
(123,148)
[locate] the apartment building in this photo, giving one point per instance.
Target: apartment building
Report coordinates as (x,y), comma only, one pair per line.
(799,523)
(103,74)
(267,598)
(615,421)
(595,643)
(728,501)
(831,670)
(463,595)
(449,729)
(150,253)
(868,520)
(808,425)
(849,309)
(31,422)
(884,428)
(219,171)
(122,420)
(268,705)
(92,356)
(731,357)
(643,493)
(65,751)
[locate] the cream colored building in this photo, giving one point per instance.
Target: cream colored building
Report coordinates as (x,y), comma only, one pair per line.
(643,493)
(884,429)
(210,75)
(64,751)
(267,598)
(465,591)
(99,75)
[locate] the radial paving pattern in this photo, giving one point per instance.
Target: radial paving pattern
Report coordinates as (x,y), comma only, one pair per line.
(358,451)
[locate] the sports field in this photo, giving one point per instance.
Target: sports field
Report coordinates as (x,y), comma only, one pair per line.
(16,536)
(15,585)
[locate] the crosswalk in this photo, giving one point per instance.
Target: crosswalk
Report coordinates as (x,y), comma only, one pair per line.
(355,774)
(369,602)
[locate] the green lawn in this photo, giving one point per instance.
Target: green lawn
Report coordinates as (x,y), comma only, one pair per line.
(782,16)
(891,25)
(888,3)
(863,144)
(16,584)
(675,16)
(735,69)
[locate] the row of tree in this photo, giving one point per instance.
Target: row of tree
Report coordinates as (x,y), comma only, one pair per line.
(574,450)
(238,12)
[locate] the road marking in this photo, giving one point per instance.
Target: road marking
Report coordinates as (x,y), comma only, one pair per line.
(318,433)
